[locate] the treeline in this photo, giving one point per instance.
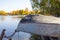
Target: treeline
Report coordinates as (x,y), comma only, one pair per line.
(22,12)
(19,12)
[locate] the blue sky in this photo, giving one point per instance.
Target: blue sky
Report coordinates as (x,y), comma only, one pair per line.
(9,5)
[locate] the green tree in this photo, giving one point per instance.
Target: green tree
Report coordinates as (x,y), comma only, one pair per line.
(47,6)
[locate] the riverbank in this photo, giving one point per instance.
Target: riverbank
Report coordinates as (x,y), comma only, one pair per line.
(15,16)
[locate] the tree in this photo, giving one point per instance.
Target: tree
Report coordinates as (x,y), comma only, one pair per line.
(21,12)
(26,11)
(47,6)
(31,12)
(2,12)
(14,12)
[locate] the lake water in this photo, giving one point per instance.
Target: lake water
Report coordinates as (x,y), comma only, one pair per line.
(10,24)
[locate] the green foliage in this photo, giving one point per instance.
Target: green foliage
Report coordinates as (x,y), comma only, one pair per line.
(35,4)
(51,7)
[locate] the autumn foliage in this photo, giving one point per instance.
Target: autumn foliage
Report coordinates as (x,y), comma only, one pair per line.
(19,12)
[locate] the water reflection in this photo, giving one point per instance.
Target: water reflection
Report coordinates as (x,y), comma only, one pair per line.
(10,24)
(2,18)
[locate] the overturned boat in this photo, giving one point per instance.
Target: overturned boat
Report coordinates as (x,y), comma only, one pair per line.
(40,25)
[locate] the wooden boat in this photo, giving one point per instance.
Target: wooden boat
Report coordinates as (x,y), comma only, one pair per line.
(40,25)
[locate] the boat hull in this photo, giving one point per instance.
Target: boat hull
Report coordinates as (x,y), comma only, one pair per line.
(40,28)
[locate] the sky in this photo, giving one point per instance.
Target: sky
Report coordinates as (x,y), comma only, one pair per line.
(9,5)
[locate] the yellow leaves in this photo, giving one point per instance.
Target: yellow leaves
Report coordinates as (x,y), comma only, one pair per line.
(2,12)
(31,12)
(13,12)
(19,12)
(24,12)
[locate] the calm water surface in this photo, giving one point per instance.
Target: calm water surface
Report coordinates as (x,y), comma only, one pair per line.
(10,24)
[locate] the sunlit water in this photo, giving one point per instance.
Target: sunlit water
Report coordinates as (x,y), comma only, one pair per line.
(10,23)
